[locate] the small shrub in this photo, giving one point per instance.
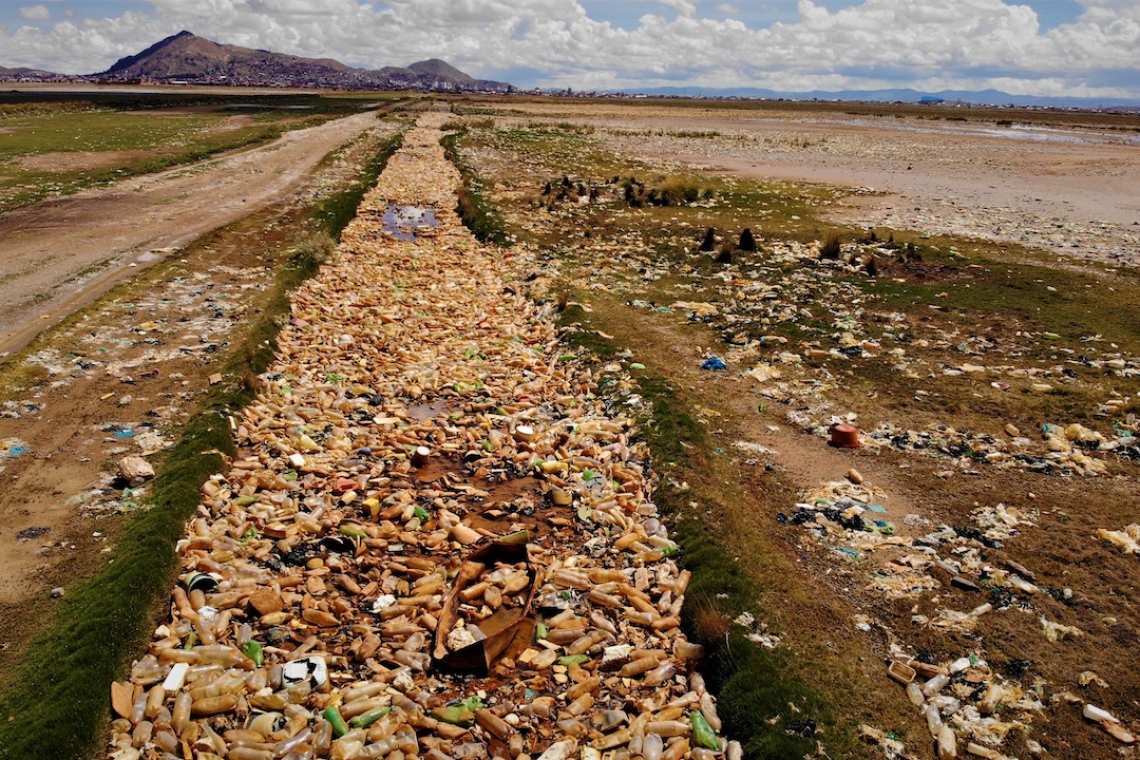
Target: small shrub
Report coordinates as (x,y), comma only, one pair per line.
(709,243)
(747,241)
(710,622)
(831,248)
(724,253)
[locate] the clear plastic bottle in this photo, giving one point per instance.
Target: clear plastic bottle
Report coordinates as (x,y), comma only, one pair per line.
(660,674)
(181,714)
(933,720)
(652,746)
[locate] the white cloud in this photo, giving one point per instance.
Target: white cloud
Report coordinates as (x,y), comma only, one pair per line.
(35,12)
(728,9)
(683,7)
(927,44)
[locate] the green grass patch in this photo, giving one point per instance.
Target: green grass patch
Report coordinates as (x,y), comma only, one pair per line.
(58,704)
(131,136)
(145,143)
(477,214)
(336,211)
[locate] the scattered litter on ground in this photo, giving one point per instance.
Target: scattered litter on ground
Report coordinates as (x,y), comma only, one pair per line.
(420,472)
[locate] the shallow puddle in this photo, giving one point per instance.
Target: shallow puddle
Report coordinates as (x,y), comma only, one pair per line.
(423,412)
(404,222)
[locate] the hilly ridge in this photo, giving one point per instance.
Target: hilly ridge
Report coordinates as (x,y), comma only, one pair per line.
(185,57)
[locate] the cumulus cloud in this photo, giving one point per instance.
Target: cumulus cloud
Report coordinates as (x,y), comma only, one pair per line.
(927,44)
(35,12)
(683,7)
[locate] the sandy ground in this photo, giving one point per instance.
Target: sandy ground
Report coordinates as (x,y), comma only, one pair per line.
(939,177)
(63,253)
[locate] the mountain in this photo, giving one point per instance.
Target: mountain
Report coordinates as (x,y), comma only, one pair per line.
(186,57)
(434,67)
(25,74)
(972,97)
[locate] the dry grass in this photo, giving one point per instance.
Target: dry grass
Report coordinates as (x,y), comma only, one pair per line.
(831,248)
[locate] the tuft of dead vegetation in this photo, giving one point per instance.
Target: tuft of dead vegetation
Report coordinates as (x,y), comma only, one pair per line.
(709,243)
(831,248)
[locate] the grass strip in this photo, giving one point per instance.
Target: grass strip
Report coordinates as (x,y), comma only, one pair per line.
(475,211)
(57,707)
(336,211)
(754,685)
(249,138)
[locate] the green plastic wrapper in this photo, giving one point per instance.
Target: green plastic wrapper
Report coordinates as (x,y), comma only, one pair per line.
(456,715)
(702,731)
(252,650)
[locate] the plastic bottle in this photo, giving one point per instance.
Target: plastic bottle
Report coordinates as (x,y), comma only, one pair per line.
(181,714)
(677,750)
(1092,712)
(708,707)
(248,753)
(660,674)
(406,740)
(154,700)
(651,747)
(933,720)
(935,685)
(377,749)
(286,746)
(166,741)
(142,733)
(138,709)
(947,743)
(686,650)
(322,737)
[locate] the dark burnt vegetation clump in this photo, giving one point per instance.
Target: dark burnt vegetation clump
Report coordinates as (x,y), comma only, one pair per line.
(708,245)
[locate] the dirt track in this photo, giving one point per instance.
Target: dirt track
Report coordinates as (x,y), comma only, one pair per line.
(64,253)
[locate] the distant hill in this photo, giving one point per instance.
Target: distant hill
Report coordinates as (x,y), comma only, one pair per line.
(24,73)
(973,97)
(434,67)
(188,58)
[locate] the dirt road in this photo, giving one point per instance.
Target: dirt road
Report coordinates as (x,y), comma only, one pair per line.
(64,253)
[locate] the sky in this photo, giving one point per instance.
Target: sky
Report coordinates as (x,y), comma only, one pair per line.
(1087,48)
